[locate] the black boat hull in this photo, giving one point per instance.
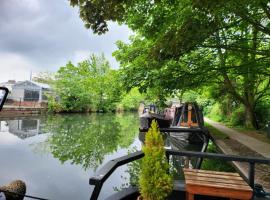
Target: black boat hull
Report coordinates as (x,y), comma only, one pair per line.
(147,118)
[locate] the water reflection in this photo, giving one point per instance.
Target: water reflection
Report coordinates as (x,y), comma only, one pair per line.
(22,127)
(86,140)
(49,152)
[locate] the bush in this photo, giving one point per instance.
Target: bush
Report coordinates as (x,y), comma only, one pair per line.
(154,182)
(216,113)
(54,106)
(237,117)
(263,112)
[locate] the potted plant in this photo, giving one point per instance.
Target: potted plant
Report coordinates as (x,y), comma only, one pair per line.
(155,183)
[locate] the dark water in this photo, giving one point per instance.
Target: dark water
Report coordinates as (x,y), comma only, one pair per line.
(56,155)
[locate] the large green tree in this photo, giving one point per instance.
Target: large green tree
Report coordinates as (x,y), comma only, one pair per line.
(91,85)
(185,44)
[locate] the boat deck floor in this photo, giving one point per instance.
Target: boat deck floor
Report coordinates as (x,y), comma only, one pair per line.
(132,193)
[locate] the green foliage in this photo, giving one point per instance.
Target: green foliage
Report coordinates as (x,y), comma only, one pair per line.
(216,164)
(263,111)
(190,44)
(86,139)
(46,77)
(155,183)
(54,106)
(91,85)
(237,117)
(131,100)
(216,133)
(216,113)
(190,96)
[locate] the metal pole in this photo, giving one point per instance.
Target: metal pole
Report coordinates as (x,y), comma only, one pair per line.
(251,176)
(96,192)
(168,157)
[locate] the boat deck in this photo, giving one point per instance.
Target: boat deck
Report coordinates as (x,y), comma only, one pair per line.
(178,193)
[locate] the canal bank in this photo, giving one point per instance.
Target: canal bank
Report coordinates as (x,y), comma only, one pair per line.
(233,142)
(12,111)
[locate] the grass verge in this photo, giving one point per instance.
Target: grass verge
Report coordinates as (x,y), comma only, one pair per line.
(215,132)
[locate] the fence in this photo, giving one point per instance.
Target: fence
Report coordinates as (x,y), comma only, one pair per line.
(25,102)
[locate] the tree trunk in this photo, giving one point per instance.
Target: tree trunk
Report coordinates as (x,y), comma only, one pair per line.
(251,120)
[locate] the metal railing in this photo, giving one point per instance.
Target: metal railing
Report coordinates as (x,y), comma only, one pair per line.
(103,174)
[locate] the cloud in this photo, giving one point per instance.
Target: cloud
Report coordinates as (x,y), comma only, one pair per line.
(14,66)
(47,34)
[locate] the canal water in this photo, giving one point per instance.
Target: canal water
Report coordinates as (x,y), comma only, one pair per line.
(56,155)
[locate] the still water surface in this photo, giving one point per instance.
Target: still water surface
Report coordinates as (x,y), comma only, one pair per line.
(56,155)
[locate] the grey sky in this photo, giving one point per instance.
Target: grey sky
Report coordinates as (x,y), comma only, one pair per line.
(42,35)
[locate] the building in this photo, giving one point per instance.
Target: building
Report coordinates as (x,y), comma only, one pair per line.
(26,93)
(9,84)
(29,91)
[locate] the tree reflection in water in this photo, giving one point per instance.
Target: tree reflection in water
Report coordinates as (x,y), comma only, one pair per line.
(86,139)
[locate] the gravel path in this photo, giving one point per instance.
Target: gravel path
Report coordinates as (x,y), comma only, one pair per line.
(252,143)
(241,144)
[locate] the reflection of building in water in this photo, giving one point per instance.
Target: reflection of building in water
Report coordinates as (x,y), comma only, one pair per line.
(24,128)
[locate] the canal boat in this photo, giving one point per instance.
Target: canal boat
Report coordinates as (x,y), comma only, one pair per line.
(182,122)
(186,137)
(186,115)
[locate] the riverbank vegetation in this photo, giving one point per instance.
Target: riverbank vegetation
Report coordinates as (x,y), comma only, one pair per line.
(188,44)
(218,50)
(89,85)
(92,86)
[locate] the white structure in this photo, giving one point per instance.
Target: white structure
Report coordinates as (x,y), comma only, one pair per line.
(8,85)
(24,128)
(29,91)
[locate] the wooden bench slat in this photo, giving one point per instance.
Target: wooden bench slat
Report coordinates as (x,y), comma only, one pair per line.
(215,180)
(215,176)
(219,185)
(218,192)
(210,172)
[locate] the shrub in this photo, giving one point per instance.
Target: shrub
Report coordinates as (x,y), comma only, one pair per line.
(216,113)
(154,182)
(53,105)
(237,117)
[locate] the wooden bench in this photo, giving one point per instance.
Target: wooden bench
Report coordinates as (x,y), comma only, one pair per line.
(217,184)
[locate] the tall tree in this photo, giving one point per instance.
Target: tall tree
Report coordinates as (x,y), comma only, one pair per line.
(88,86)
(189,43)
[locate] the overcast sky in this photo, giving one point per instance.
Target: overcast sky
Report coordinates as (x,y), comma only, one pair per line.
(42,35)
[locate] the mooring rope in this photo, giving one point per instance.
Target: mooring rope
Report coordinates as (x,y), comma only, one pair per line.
(24,195)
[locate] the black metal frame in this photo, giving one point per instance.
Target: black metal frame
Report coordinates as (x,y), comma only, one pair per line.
(102,175)
(178,130)
(4,97)
(194,130)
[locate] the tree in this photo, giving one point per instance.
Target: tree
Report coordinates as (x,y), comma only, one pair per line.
(91,85)
(45,77)
(154,181)
(188,44)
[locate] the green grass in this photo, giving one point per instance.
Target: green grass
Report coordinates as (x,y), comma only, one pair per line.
(216,164)
(215,132)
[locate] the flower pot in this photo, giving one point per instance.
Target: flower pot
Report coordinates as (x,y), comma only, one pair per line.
(139,197)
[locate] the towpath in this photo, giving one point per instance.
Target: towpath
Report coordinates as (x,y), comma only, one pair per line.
(254,144)
(239,143)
